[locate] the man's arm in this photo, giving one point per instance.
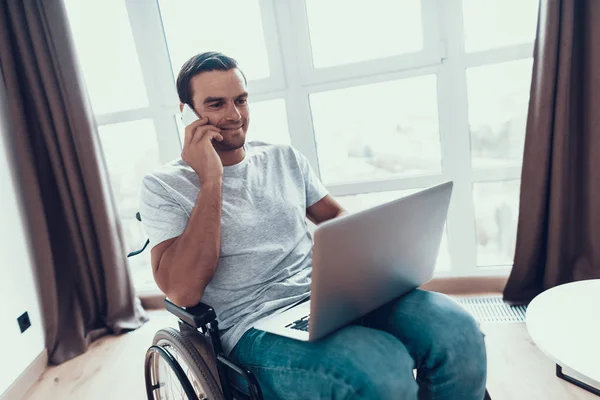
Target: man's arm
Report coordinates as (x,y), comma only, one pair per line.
(325,209)
(185,265)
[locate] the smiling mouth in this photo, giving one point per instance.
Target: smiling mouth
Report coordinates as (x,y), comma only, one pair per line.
(232,129)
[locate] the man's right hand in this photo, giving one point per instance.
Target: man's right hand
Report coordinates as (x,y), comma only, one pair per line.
(198,150)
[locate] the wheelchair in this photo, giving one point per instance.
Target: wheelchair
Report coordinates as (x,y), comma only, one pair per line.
(193,355)
(192,359)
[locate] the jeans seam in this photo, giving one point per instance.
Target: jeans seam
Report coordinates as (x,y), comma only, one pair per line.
(306,372)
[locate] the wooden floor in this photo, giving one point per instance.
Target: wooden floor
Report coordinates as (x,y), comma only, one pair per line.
(113,368)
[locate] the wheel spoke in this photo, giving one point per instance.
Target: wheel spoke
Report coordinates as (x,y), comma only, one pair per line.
(188,372)
(177,368)
(166,382)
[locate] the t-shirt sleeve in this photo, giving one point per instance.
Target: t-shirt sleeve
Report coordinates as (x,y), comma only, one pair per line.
(315,190)
(162,217)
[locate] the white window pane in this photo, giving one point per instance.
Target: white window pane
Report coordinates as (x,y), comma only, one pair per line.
(377,131)
(131,151)
(344,32)
(359,202)
(232,27)
(490,24)
(107,55)
(268,122)
(496,217)
(498,98)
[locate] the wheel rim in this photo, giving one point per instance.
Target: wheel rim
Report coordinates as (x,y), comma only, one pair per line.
(164,381)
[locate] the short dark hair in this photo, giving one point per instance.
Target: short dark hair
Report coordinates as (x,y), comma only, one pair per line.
(203,62)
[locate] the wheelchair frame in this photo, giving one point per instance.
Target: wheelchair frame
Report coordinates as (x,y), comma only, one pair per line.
(203,317)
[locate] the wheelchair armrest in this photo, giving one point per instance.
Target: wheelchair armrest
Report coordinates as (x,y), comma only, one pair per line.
(197,316)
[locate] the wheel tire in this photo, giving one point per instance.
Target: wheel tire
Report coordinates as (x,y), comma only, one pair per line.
(184,351)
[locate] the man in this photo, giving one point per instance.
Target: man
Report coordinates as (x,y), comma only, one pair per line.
(228,226)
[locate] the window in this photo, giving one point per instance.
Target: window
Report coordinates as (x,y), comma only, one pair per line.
(107,55)
(394,97)
(362,30)
(268,122)
(496,215)
(195,26)
(131,151)
(498,23)
(377,131)
(498,100)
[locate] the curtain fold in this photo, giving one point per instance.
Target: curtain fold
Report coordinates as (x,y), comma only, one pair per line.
(558,235)
(84,282)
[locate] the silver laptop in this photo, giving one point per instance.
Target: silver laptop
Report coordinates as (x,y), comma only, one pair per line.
(364,260)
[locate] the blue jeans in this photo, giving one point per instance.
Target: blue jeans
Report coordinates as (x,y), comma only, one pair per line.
(374,358)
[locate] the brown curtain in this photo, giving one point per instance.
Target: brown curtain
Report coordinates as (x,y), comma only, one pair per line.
(84,283)
(558,237)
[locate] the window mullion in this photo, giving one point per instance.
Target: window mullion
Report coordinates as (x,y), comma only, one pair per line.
(386,185)
(268,16)
(151,46)
(500,55)
(294,60)
(456,147)
(433,44)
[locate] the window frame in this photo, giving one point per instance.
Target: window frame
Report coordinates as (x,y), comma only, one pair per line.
(293,78)
(430,55)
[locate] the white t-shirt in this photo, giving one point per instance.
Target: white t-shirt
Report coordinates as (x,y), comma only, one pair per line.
(266,246)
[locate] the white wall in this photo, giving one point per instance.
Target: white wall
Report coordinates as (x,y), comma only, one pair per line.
(18,292)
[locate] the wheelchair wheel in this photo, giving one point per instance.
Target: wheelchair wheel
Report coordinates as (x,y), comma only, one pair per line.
(175,370)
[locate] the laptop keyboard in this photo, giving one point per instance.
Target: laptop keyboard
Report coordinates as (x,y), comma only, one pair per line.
(301,324)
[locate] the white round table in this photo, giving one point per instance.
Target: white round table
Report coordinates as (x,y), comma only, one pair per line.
(564,322)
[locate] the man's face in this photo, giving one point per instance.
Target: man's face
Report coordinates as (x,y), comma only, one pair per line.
(222,96)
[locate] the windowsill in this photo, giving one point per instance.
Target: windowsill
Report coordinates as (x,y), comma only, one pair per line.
(467,285)
(147,288)
(152,298)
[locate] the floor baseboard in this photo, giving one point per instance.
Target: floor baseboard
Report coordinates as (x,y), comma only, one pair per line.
(27,379)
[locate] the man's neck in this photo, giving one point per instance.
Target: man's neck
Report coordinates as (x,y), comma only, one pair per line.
(229,158)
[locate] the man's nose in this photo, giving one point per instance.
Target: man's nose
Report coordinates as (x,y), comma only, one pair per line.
(232,113)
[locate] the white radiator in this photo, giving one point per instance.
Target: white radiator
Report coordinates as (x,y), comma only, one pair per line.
(492,309)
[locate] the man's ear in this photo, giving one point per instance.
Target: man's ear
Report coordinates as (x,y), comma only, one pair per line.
(180,107)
